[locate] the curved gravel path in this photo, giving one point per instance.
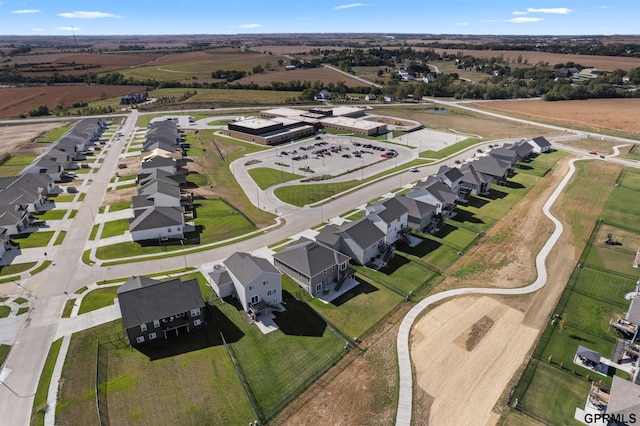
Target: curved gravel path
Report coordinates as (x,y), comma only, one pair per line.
(405,400)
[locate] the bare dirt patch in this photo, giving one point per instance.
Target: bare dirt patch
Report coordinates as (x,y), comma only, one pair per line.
(16,139)
(120,195)
(19,100)
(474,335)
(612,114)
(466,384)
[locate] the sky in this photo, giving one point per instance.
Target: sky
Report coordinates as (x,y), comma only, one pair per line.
(139,17)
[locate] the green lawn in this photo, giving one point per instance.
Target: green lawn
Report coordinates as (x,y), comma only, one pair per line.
(219,221)
(34,239)
(618,208)
(433,251)
(400,275)
(97,299)
(355,312)
(60,238)
(14,165)
(63,198)
(40,399)
(53,135)
(266,177)
(306,346)
(4,352)
(114,228)
(17,268)
(4,311)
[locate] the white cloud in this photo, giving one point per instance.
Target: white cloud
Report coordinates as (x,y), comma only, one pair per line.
(522,20)
(68,28)
(24,11)
(519,13)
(349,6)
(559,10)
(38,30)
(250,26)
(88,15)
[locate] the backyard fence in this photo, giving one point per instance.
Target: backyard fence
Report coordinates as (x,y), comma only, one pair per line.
(115,341)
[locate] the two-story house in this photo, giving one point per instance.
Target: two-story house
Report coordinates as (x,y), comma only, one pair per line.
(153,309)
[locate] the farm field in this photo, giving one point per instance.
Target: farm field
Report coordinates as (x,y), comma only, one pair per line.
(325,75)
(605,63)
(13,138)
(16,101)
(594,114)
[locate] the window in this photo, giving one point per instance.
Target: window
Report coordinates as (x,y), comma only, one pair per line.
(180,315)
(265,282)
(156,323)
(324,273)
(168,229)
(197,322)
(319,287)
(255,299)
(250,287)
(195,312)
(139,339)
(143,327)
(153,336)
(343,266)
(333,268)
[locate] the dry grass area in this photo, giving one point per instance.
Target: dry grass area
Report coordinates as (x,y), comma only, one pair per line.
(16,139)
(325,75)
(611,114)
(605,63)
(19,100)
(489,128)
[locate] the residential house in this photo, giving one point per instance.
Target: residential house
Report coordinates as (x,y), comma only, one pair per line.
(371,97)
(361,240)
(157,223)
(496,169)
(421,216)
(438,194)
(153,309)
(4,241)
(388,99)
(624,401)
(158,193)
(145,177)
(390,216)
(14,218)
(523,150)
(505,154)
(29,190)
(257,284)
(540,144)
(318,269)
(474,182)
(166,164)
(323,95)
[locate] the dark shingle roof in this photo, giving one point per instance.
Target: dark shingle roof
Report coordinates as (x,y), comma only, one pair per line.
(310,258)
(363,232)
(329,235)
(490,166)
(452,173)
(388,210)
(220,276)
(624,399)
(541,141)
(416,208)
(246,268)
(470,175)
(144,300)
(156,217)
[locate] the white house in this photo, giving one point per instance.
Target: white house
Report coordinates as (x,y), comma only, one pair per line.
(159,223)
(540,144)
(390,216)
(256,282)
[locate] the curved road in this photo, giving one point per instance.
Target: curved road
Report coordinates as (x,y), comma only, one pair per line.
(405,400)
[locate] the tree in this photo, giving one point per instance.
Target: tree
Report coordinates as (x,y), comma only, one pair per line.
(258,69)
(280,62)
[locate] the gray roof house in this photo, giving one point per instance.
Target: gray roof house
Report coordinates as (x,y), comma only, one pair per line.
(154,309)
(361,240)
(318,269)
(474,182)
(163,194)
(390,216)
(505,154)
(14,218)
(493,167)
(624,401)
(451,176)
(157,223)
(540,144)
(257,283)
(166,164)
(421,216)
(436,193)
(147,176)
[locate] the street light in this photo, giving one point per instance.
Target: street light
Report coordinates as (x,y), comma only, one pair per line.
(184,256)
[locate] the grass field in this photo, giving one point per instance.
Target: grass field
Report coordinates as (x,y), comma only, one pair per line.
(230,97)
(98,298)
(115,228)
(14,165)
(451,149)
(34,239)
(40,399)
(12,269)
(400,275)
(51,215)
(219,221)
(53,135)
(266,177)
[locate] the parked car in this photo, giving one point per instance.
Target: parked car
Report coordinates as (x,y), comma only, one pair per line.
(39,223)
(414,169)
(84,165)
(122,166)
(457,161)
(72,189)
(593,153)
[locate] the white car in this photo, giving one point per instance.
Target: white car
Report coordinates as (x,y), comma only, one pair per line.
(413,169)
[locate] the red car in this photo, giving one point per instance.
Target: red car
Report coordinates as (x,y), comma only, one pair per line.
(593,153)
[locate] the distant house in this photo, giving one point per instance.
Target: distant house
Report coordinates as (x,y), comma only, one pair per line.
(522,148)
(316,268)
(390,216)
(361,240)
(421,215)
(388,99)
(290,67)
(323,95)
(254,281)
(133,98)
(540,144)
(371,97)
(154,309)
(157,223)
